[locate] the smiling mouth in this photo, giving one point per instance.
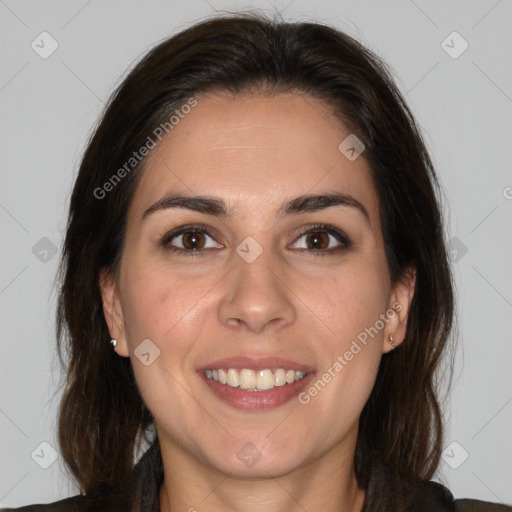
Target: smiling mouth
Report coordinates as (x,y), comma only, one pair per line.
(254,380)
(258,388)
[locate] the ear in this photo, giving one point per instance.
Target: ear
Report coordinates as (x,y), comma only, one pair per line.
(399,306)
(113,311)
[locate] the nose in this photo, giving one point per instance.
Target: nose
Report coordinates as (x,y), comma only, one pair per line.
(256,296)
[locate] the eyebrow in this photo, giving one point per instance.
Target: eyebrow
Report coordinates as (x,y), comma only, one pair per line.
(214,206)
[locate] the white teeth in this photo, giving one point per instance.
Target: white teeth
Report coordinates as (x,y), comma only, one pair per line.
(251,380)
(247,379)
(280,377)
(223,378)
(264,379)
(233,378)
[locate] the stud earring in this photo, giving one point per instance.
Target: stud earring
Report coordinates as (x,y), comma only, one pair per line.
(391,340)
(114,343)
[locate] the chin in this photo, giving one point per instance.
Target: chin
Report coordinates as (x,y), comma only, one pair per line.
(250,461)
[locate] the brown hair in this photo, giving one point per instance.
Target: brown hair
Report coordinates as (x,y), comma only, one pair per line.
(102,416)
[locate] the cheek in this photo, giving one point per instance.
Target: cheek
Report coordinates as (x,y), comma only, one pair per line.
(350,301)
(169,310)
(348,309)
(164,306)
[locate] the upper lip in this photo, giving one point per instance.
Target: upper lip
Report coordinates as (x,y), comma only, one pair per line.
(256,363)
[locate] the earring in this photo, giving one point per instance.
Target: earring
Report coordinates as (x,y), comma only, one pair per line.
(391,340)
(114,343)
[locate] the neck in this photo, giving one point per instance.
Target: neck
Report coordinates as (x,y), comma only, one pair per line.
(327,484)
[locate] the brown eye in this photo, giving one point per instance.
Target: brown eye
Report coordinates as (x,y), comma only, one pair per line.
(317,240)
(193,240)
(322,240)
(190,239)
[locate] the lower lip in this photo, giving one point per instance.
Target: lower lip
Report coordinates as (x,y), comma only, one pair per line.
(257,400)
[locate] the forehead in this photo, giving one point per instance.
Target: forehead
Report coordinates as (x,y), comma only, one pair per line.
(254,152)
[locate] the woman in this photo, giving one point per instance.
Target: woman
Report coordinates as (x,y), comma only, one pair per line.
(255,228)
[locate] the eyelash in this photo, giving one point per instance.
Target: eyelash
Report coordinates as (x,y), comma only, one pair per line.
(339,235)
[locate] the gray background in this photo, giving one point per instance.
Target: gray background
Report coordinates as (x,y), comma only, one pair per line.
(49,106)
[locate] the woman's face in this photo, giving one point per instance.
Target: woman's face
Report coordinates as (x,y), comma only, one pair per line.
(254,276)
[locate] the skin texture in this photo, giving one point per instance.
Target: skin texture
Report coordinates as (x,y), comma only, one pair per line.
(254,153)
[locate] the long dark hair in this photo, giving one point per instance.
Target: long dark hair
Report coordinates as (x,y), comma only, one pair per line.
(102,417)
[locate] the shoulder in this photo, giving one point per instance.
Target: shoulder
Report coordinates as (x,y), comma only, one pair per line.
(480,506)
(432,495)
(73,504)
(429,495)
(110,500)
